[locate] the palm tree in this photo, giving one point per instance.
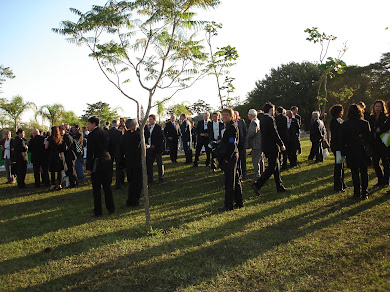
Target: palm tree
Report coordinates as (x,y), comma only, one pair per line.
(53,113)
(15,108)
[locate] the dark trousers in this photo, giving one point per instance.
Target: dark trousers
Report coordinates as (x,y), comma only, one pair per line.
(338,176)
(38,166)
(283,159)
(292,155)
(187,151)
(382,175)
(102,178)
(173,149)
(202,142)
(134,179)
(361,180)
(242,160)
(119,173)
(53,177)
(21,170)
(233,188)
(316,151)
(71,172)
(152,156)
(272,169)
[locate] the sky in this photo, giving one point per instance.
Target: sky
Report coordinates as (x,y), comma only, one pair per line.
(266,34)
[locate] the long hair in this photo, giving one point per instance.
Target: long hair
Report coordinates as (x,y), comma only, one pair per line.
(55,133)
(355,112)
(383,104)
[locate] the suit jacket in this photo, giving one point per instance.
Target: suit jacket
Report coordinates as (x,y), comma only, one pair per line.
(157,138)
(242,133)
(379,146)
(36,147)
(130,147)
(185,129)
(98,148)
(254,135)
(68,148)
(335,134)
(115,142)
(2,142)
(171,130)
(317,131)
(229,141)
(293,135)
(20,150)
(211,131)
(299,119)
(270,139)
(200,129)
(281,124)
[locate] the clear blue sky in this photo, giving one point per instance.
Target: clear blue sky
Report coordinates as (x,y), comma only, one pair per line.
(266,34)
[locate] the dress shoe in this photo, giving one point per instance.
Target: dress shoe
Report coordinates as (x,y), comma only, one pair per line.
(195,165)
(255,189)
(355,197)
(339,191)
(238,206)
(364,196)
(281,189)
(95,215)
(224,209)
(160,181)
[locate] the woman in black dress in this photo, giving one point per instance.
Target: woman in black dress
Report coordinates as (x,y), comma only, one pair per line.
(54,145)
(377,119)
(356,134)
(336,123)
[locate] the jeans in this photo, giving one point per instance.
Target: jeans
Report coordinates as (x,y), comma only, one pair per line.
(79,168)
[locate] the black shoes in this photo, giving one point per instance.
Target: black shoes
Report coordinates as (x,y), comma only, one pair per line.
(255,189)
(282,189)
(224,209)
(238,206)
(96,215)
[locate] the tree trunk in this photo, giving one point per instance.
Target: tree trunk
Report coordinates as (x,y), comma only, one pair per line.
(145,187)
(15,125)
(326,93)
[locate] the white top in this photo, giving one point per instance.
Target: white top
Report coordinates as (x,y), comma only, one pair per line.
(7,149)
(216,130)
(151,127)
(205,124)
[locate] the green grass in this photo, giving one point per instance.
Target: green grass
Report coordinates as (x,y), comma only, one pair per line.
(308,238)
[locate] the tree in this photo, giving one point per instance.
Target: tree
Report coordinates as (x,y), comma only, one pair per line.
(5,72)
(15,108)
(200,107)
(154,40)
(53,113)
(179,108)
(101,110)
(70,117)
(161,110)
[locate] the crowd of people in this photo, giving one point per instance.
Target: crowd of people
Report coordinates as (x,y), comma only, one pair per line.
(272,135)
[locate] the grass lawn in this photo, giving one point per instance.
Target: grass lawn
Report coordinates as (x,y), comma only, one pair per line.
(308,238)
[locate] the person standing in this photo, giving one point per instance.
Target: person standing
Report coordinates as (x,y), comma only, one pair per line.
(281,125)
(336,123)
(317,135)
(172,134)
(202,132)
(20,158)
(78,145)
(271,145)
(55,147)
(254,143)
(69,156)
(99,166)
(115,139)
(215,135)
(155,140)
(355,135)
(294,110)
(366,114)
(294,143)
(186,138)
(7,145)
(229,162)
(39,158)
(131,159)
(240,123)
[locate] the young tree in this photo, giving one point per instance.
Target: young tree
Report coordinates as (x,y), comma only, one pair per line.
(152,40)
(15,108)
(52,112)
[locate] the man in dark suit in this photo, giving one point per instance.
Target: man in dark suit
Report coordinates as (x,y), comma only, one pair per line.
(20,158)
(271,145)
(242,131)
(70,156)
(293,142)
(317,135)
(155,140)
(99,166)
(294,109)
(115,142)
(281,125)
(186,138)
(202,131)
(39,158)
(131,159)
(172,134)
(215,134)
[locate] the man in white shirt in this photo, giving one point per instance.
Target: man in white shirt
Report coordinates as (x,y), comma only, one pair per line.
(7,147)
(202,131)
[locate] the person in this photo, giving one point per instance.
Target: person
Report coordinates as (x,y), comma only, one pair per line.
(39,158)
(254,143)
(355,135)
(55,147)
(78,145)
(115,138)
(99,166)
(122,122)
(242,142)
(107,126)
(215,135)
(7,145)
(294,110)
(131,159)
(293,141)
(317,135)
(69,156)
(155,140)
(186,137)
(229,162)
(172,134)
(366,114)
(202,131)
(336,123)
(281,125)
(377,119)
(20,158)
(271,144)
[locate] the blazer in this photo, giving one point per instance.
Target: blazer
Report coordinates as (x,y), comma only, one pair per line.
(242,132)
(130,146)
(317,131)
(281,124)
(185,129)
(98,148)
(378,145)
(293,135)
(200,129)
(270,139)
(254,135)
(211,131)
(171,130)
(20,150)
(229,141)
(157,138)
(115,142)
(36,147)
(2,142)
(335,134)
